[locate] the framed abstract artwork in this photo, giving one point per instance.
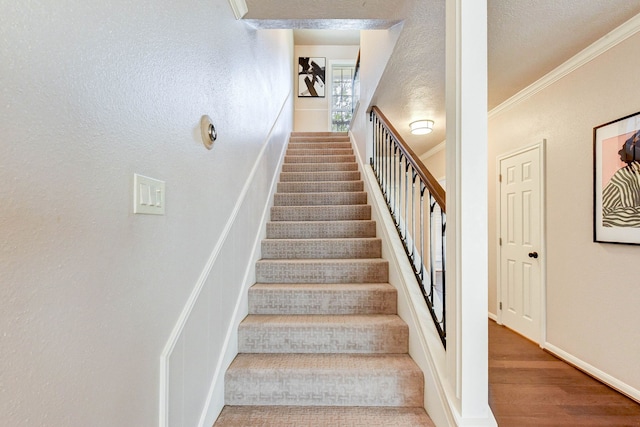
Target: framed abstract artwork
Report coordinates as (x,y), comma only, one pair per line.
(311,77)
(616,181)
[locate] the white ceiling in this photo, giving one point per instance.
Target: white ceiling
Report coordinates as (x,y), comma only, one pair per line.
(526,40)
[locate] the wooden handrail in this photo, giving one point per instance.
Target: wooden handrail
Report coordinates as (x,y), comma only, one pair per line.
(430,182)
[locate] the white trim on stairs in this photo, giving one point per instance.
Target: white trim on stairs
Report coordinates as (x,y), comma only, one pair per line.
(425,346)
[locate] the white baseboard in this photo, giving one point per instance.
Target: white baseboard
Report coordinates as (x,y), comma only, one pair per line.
(596,373)
(493,317)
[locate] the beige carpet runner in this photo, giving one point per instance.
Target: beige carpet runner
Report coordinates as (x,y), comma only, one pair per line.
(322,344)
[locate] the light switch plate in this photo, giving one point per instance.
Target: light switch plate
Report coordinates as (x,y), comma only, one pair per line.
(148,195)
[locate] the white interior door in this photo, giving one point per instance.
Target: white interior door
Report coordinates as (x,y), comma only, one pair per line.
(521,293)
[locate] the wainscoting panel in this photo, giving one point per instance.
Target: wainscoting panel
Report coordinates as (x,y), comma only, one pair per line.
(203,342)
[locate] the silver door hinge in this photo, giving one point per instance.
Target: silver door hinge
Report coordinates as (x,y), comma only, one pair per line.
(500,305)
(500,241)
(500,178)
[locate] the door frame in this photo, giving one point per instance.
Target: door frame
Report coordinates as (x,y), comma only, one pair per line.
(542,153)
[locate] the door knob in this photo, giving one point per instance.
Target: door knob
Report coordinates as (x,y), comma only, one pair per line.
(533,254)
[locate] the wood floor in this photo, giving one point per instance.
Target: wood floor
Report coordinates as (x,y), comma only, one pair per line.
(530,387)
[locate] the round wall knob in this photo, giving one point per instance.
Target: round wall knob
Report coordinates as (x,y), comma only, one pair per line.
(208,132)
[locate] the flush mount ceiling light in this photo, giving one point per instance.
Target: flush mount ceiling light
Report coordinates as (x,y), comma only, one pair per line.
(421,127)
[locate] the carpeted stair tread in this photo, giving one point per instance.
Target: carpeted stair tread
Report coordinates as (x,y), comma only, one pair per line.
(327,151)
(324,379)
(320,213)
(323,333)
(374,270)
(320,199)
(364,247)
(314,145)
(322,344)
(313,140)
(320,186)
(320,159)
(318,134)
(318,138)
(320,176)
(338,298)
(320,229)
(323,136)
(319,167)
(318,416)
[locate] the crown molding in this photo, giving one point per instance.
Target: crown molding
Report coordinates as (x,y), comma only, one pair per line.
(615,37)
(434,150)
(239,8)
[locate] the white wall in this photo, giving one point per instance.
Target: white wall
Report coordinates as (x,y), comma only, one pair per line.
(312,113)
(592,289)
(376,47)
(90,93)
(436,162)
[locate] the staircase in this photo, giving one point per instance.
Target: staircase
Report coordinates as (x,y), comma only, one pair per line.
(322,344)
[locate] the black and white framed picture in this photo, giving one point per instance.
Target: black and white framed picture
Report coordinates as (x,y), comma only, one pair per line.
(616,161)
(311,77)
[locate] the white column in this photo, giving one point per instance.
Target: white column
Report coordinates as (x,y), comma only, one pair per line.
(467,341)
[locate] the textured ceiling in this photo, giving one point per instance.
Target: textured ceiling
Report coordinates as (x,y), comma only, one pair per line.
(323,24)
(329,38)
(325,9)
(526,40)
(325,14)
(412,86)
